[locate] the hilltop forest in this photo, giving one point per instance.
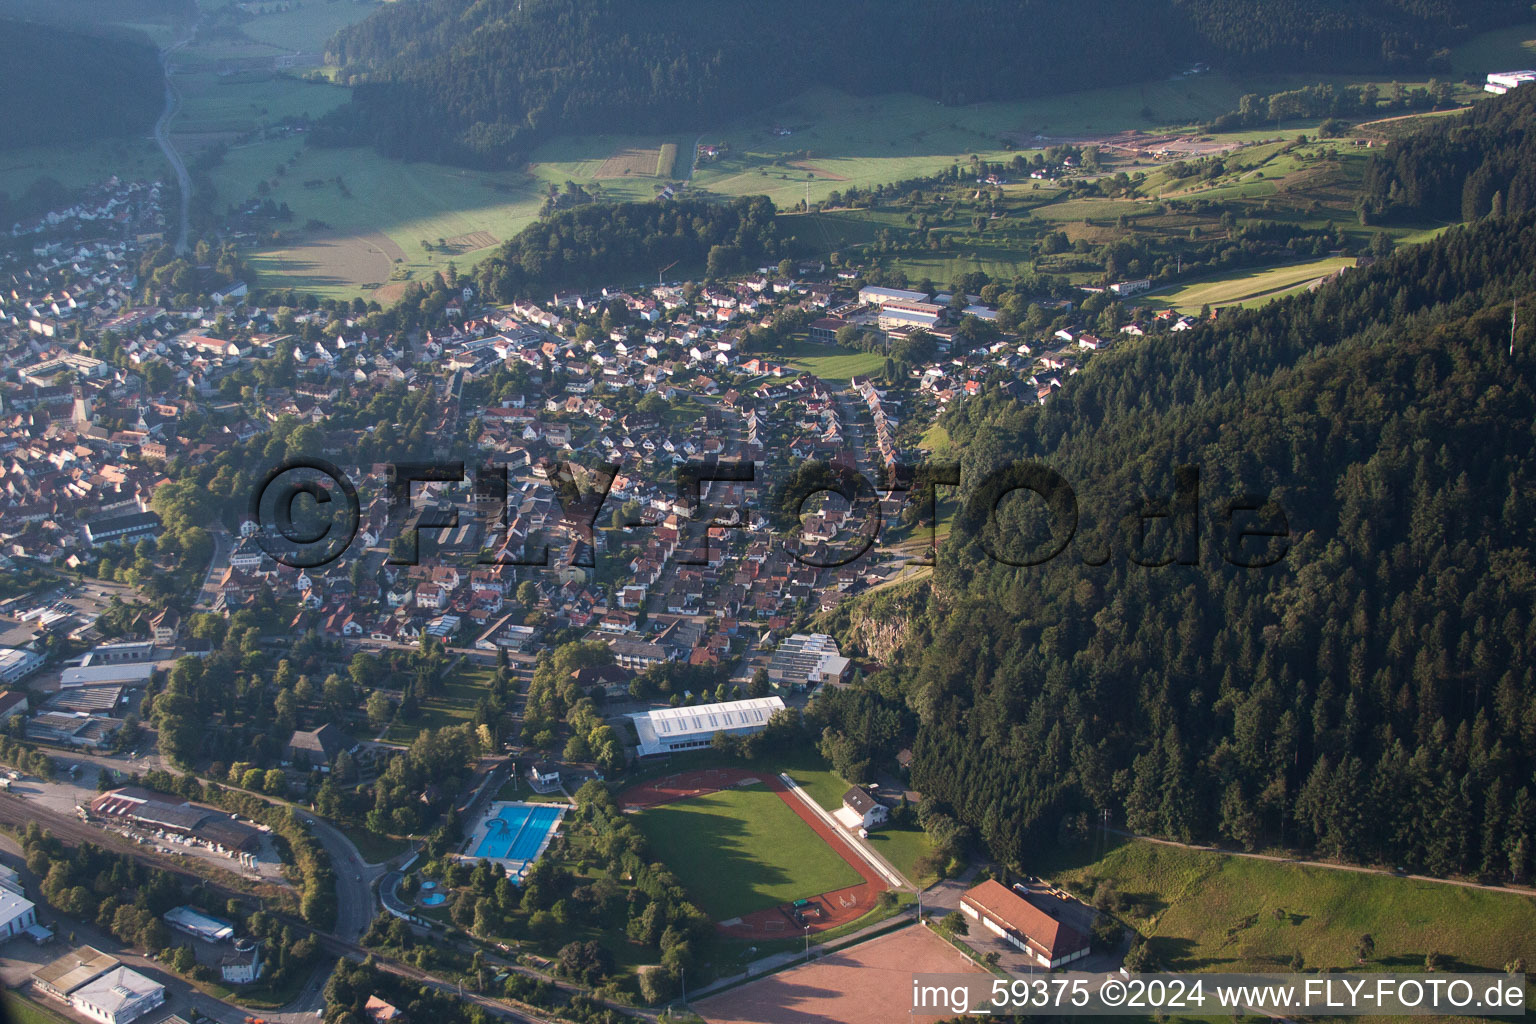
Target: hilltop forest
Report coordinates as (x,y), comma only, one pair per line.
(607,241)
(66,85)
(482,83)
(1369,694)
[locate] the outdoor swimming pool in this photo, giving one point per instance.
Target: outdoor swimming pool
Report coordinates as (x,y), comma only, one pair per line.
(517,831)
(436,899)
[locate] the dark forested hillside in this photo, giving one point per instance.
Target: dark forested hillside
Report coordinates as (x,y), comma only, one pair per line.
(484,82)
(612,244)
(63,85)
(1371,695)
(1461,167)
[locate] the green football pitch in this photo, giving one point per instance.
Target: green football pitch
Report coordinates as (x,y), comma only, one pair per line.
(742,850)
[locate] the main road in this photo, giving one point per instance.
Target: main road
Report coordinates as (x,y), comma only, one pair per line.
(163,136)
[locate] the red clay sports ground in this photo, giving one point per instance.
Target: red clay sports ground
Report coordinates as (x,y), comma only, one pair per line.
(837,907)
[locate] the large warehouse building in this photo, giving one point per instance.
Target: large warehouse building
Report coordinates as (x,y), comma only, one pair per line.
(691,728)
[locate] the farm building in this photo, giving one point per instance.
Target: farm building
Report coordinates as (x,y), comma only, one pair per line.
(670,729)
(1021,923)
(1501,82)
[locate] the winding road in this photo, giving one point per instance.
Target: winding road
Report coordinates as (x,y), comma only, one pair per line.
(163,137)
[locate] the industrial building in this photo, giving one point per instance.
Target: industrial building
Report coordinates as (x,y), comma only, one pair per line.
(16,662)
(807,659)
(199,925)
(666,730)
(118,674)
(117,997)
(870,295)
(17,914)
(156,813)
(61,977)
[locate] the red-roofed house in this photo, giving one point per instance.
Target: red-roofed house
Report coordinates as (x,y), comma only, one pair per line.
(1032,929)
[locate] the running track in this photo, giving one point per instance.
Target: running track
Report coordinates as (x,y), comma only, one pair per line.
(837,907)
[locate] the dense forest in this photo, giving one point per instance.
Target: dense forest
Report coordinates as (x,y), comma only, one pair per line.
(62,85)
(621,242)
(1461,167)
(1369,695)
(483,83)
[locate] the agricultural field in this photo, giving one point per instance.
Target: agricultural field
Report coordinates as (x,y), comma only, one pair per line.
(1249,287)
(804,148)
(300,26)
(248,100)
(371,215)
(76,165)
(1206,911)
(742,850)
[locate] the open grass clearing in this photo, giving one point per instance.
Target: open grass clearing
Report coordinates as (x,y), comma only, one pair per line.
(1505,49)
(375,847)
(829,362)
(21,1010)
(1246,284)
(453,704)
(742,850)
(1207,911)
(248,100)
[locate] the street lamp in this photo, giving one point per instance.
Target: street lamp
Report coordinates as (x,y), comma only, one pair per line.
(807,942)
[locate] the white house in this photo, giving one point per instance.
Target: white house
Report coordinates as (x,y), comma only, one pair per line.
(858,803)
(545,778)
(243,966)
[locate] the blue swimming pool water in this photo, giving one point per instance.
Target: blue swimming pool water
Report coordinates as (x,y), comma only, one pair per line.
(437,899)
(517,831)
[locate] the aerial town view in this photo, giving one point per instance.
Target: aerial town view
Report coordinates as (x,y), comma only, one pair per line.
(581,512)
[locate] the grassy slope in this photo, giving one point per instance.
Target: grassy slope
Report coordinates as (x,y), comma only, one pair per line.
(1206,911)
(743,850)
(1246,286)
